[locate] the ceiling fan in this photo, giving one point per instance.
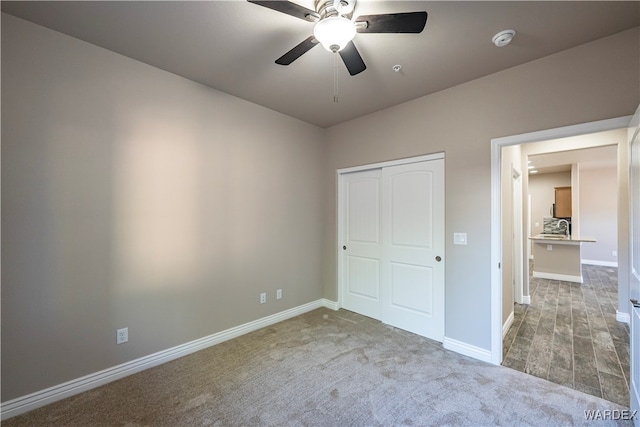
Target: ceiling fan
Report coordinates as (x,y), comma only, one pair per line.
(335,30)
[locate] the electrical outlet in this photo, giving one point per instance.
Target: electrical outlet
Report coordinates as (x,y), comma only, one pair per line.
(263,297)
(614,253)
(279,294)
(549,247)
(122,335)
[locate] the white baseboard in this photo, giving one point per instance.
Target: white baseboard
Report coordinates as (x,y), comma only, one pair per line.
(467,349)
(623,317)
(507,324)
(602,263)
(331,305)
(554,276)
(44,397)
(526,299)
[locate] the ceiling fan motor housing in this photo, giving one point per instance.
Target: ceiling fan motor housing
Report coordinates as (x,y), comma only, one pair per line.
(328,8)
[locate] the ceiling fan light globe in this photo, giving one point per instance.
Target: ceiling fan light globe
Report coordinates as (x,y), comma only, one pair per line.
(334,33)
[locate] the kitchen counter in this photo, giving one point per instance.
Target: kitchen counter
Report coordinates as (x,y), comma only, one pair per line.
(562,239)
(558,257)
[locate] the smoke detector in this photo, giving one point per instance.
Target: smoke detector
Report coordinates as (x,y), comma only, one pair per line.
(503,38)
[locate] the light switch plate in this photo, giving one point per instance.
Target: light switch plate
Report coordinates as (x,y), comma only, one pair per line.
(459,238)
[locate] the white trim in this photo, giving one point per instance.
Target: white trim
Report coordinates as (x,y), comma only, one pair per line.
(496,253)
(496,204)
(623,317)
(467,349)
(331,305)
(518,235)
(526,299)
(601,263)
(555,276)
(564,132)
(507,324)
(339,233)
(44,397)
(398,162)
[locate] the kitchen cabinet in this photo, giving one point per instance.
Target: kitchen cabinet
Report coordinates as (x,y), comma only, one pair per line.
(563,202)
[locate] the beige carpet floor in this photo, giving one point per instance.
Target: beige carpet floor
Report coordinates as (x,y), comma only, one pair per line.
(324,368)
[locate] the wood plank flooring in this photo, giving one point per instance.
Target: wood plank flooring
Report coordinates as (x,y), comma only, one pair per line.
(569,335)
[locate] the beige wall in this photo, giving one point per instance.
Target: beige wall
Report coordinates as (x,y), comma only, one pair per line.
(132,197)
(574,86)
(135,198)
(599,213)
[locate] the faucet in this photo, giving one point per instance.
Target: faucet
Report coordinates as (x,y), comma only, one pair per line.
(566,230)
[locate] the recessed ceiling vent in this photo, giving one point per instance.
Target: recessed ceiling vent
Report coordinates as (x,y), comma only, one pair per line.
(503,38)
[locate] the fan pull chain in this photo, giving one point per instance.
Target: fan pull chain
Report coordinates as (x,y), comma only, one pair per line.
(335,78)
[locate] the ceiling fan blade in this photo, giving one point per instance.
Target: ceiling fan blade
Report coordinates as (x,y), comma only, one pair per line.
(289,8)
(352,59)
(297,51)
(409,22)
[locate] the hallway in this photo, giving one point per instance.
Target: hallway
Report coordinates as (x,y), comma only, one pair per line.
(569,335)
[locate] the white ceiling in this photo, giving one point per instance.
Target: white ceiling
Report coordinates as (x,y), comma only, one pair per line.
(605,156)
(232,45)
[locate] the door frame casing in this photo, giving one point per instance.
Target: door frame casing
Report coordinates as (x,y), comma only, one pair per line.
(633,138)
(340,205)
(496,207)
(517,269)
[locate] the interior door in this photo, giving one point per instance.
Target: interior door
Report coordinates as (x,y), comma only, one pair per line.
(634,285)
(517,271)
(413,248)
(361,248)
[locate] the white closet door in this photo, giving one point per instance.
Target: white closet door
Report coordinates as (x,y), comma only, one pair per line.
(360,218)
(412,267)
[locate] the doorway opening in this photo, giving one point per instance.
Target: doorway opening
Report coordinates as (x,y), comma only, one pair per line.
(505,268)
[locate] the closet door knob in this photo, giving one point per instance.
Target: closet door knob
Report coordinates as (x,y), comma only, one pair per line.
(438,258)
(344,248)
